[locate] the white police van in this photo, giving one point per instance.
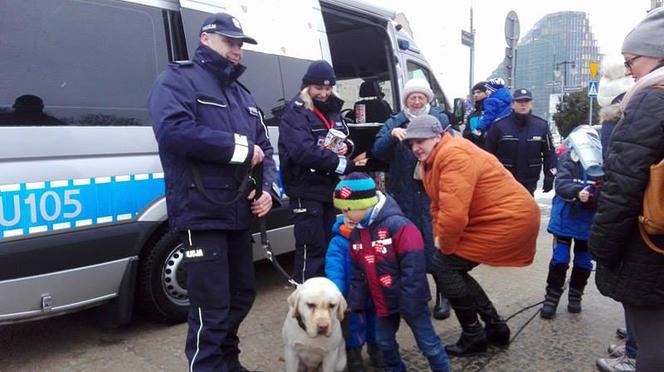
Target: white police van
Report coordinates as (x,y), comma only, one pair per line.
(82,213)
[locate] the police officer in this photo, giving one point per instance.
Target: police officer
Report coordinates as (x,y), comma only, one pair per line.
(309,169)
(210,134)
(522,142)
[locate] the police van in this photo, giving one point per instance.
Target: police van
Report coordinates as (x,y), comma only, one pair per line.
(83,219)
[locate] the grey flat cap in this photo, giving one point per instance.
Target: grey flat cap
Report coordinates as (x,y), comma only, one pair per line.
(423,126)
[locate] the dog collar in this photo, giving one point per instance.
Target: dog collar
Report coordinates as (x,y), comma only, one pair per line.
(300,322)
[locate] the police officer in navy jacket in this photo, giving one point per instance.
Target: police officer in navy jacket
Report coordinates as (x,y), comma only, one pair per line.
(310,171)
(522,142)
(210,135)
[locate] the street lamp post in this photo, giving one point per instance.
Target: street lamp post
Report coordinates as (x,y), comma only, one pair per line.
(564,77)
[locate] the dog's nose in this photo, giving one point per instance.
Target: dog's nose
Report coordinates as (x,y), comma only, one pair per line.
(322,329)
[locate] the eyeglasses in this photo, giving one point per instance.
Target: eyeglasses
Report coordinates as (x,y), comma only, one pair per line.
(628,63)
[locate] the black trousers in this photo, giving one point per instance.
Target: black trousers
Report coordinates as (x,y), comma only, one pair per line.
(647,325)
(313,222)
(452,274)
(221,288)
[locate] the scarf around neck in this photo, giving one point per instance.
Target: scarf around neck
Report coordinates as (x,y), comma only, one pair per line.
(413,114)
(654,77)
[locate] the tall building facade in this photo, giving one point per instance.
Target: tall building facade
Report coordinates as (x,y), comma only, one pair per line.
(554,58)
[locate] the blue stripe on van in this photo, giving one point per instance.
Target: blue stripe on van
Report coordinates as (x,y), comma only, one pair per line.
(30,208)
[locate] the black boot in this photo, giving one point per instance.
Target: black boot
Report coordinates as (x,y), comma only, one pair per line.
(442,308)
(577,283)
(554,289)
(375,356)
(473,339)
(354,360)
(495,327)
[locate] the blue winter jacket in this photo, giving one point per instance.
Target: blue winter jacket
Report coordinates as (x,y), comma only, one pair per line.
(495,106)
(339,269)
(408,192)
(338,266)
(204,119)
(388,263)
(308,170)
(570,217)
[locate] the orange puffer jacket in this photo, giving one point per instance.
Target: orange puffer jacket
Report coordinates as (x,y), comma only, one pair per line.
(480,212)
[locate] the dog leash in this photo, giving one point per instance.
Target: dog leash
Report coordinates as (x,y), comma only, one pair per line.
(265,242)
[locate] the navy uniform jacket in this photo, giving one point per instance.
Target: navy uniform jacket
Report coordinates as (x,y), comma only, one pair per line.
(523,149)
(204,119)
(308,170)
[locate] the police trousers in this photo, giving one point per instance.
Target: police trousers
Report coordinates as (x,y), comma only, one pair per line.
(221,288)
(313,222)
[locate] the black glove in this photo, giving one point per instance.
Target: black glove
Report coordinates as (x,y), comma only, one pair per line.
(548,185)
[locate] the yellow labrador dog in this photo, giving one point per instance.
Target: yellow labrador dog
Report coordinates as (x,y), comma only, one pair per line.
(312,332)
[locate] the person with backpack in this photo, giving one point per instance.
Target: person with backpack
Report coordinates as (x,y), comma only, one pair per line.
(628,270)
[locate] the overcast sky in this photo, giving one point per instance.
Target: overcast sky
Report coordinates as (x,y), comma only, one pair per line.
(437,29)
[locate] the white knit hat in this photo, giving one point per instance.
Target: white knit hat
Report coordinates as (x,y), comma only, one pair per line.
(613,81)
(416,85)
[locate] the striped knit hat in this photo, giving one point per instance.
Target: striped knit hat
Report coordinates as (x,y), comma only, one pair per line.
(356,191)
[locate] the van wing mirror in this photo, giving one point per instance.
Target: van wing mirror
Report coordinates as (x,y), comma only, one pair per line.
(459,109)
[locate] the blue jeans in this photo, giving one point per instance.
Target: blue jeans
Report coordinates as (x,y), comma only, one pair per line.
(631,349)
(425,337)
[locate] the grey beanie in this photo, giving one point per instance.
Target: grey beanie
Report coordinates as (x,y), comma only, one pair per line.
(647,38)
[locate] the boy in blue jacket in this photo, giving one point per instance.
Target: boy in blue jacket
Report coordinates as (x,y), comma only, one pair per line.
(338,268)
(387,255)
(572,211)
(496,106)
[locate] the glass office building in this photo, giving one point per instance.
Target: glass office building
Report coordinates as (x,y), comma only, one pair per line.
(554,57)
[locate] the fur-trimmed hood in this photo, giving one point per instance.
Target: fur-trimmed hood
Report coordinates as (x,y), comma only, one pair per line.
(610,113)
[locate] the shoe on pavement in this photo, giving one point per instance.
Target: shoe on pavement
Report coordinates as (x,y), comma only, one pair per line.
(616,350)
(621,332)
(620,364)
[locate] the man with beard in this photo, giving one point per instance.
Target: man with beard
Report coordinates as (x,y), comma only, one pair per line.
(479,94)
(522,142)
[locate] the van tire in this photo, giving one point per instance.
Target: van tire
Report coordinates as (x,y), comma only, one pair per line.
(154,299)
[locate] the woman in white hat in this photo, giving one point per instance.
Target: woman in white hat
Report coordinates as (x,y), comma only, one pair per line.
(402,183)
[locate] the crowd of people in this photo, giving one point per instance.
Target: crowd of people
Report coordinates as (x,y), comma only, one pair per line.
(450,203)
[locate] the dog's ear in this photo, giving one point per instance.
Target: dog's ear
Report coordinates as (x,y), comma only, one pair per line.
(292,302)
(341,310)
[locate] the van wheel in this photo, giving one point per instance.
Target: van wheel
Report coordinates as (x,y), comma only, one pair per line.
(162,279)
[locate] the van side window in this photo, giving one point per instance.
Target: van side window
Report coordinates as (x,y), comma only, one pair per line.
(79,62)
(420,72)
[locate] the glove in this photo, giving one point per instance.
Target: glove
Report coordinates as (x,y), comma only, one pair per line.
(548,185)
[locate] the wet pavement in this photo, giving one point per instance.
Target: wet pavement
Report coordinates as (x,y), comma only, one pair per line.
(570,342)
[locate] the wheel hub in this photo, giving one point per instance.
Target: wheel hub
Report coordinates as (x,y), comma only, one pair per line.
(174,277)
